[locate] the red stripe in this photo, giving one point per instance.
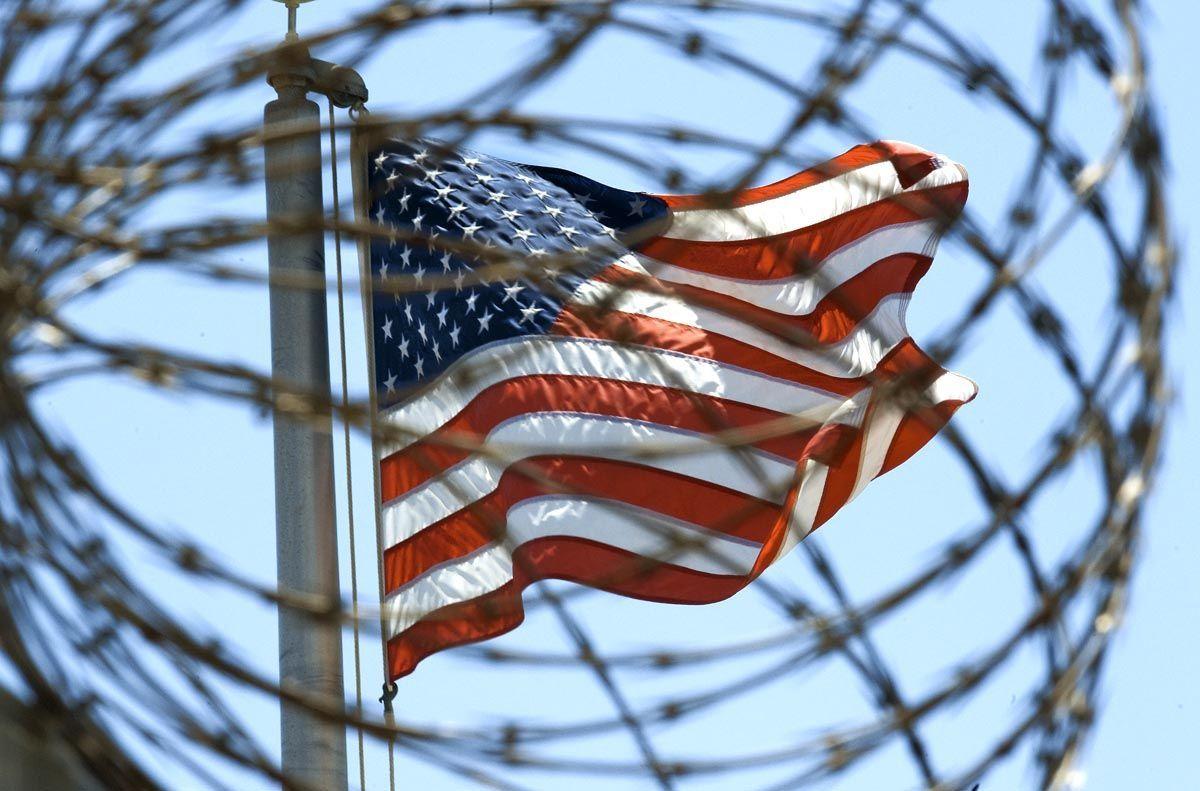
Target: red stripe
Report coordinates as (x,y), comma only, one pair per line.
(573,559)
(795,253)
(454,441)
(915,430)
(855,158)
(912,163)
(770,550)
(831,320)
(839,481)
(584,322)
(482,523)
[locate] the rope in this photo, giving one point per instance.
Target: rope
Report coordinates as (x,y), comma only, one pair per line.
(390,690)
(341,306)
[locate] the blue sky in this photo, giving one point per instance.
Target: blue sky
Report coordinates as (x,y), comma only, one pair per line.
(222,491)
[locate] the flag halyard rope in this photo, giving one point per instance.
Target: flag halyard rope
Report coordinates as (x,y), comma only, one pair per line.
(341,306)
(358,114)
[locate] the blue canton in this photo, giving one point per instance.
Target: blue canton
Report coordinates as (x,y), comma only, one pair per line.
(449,218)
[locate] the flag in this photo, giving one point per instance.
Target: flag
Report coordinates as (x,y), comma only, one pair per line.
(657,396)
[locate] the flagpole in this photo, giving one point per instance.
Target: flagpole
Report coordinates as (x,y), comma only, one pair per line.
(313,748)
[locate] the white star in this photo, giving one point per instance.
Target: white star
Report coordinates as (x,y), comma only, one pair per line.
(379,214)
(637,207)
(430,175)
(383,270)
(553,211)
(379,160)
(471,162)
(525,178)
(485,320)
(510,292)
(392,178)
(485,179)
(390,383)
(528,314)
(523,234)
(387,329)
(610,231)
(459,278)
(470,231)
(534,252)
(511,214)
(404,256)
(569,230)
(471,298)
(538,193)
(404,199)
(457,210)
(403,348)
(497,196)
(421,155)
(446,262)
(441,316)
(444,192)
(437,352)
(421,332)
(419,274)
(454,335)
(431,296)
(392,235)
(420,366)
(417,220)
(407,311)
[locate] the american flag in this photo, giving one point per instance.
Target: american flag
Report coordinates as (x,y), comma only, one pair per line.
(658,396)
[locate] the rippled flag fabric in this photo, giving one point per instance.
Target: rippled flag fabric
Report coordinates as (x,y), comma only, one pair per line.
(658,396)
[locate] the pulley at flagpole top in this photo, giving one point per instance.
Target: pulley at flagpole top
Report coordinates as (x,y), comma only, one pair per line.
(341,84)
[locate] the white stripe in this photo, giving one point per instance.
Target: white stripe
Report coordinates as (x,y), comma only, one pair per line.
(881,430)
(800,295)
(492,364)
(687,453)
(804,207)
(804,512)
(627,527)
(951,387)
(855,355)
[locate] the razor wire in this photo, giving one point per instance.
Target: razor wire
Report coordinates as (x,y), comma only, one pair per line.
(84,161)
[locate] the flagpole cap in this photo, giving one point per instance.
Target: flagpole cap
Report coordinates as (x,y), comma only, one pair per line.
(292,5)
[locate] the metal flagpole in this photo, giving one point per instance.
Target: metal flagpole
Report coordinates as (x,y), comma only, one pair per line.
(310,644)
